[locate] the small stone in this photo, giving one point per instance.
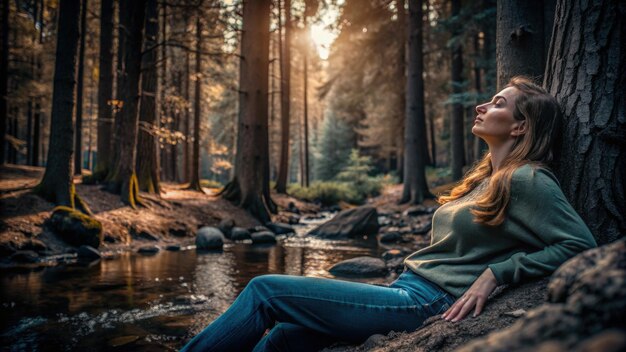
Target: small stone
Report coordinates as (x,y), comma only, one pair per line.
(360,266)
(390,237)
(417,210)
(173,247)
(149,250)
(280,228)
(24,257)
(239,234)
(209,238)
(263,237)
(393,253)
(88,252)
(423,228)
(226,225)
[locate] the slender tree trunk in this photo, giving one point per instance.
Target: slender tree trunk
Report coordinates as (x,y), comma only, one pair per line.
(433,144)
(402,77)
(187,117)
(248,185)
(56,185)
(520,40)
(147,158)
(122,8)
(194,181)
(586,72)
(285,96)
(36,135)
(415,188)
(305,69)
(122,177)
(4,78)
(29,130)
(163,110)
(456,123)
(78,136)
(105,91)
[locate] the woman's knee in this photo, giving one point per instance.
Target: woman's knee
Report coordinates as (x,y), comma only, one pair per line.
(265,284)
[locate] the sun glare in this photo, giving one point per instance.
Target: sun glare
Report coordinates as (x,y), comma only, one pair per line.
(321,35)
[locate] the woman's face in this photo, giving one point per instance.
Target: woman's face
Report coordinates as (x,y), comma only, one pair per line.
(495,122)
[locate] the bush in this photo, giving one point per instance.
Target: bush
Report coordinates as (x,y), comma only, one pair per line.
(327,193)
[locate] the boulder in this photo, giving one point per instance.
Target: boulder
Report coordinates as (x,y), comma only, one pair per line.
(226,225)
(209,238)
(239,234)
(75,227)
(263,237)
(291,207)
(88,252)
(356,222)
(360,266)
(280,228)
(149,250)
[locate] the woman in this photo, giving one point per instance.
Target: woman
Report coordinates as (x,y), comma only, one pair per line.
(506,222)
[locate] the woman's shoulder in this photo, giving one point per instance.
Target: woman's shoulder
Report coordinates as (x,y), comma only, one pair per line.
(531,176)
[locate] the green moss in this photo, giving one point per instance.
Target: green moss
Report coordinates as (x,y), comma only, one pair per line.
(75,227)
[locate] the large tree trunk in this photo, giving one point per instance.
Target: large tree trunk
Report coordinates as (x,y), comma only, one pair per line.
(147,158)
(248,185)
(105,91)
(520,40)
(415,147)
(56,185)
(285,96)
(122,178)
(194,181)
(4,79)
(78,136)
(586,72)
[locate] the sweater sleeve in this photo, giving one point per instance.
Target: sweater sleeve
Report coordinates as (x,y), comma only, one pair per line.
(546,221)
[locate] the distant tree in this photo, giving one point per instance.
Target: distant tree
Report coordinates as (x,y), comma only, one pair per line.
(122,178)
(251,179)
(57,185)
(522,32)
(415,144)
(456,119)
(4,78)
(147,158)
(105,91)
(586,72)
(194,180)
(285,96)
(333,148)
(78,136)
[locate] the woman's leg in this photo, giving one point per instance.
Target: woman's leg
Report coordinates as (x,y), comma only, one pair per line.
(347,310)
(291,337)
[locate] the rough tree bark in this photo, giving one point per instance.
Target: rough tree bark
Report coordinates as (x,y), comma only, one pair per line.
(57,185)
(78,136)
(456,123)
(194,180)
(521,38)
(147,167)
(122,178)
(248,185)
(285,96)
(586,72)
(105,91)
(415,188)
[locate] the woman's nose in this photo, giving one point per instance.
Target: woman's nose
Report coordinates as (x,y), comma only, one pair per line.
(480,108)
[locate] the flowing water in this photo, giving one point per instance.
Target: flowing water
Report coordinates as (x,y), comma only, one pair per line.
(150,303)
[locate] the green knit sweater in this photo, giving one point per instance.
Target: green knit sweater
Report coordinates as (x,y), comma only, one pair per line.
(540,232)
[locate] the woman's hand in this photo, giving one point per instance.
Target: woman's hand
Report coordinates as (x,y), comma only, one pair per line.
(475,297)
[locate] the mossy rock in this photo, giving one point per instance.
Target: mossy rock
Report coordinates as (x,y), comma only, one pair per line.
(75,227)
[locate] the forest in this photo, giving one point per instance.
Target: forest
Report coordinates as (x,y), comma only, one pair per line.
(157,155)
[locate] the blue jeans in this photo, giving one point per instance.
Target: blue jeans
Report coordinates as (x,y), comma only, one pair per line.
(312,313)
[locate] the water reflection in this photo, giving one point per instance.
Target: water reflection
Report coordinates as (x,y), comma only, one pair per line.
(145,303)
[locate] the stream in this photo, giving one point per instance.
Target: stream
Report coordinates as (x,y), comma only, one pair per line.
(151,303)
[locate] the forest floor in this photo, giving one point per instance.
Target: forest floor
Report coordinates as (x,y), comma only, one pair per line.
(171,219)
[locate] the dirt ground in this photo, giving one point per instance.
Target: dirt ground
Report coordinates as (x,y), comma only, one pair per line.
(172,218)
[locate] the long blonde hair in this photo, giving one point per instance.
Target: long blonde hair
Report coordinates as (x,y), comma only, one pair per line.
(542,114)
